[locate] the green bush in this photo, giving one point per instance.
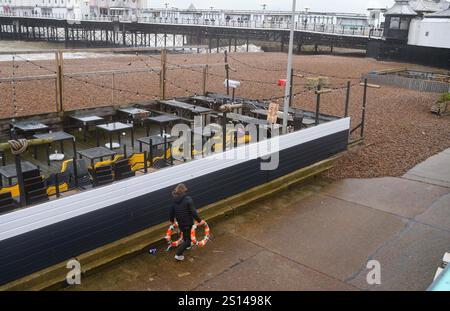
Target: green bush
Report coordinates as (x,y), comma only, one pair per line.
(444,98)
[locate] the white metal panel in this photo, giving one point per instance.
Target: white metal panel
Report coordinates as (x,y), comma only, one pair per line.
(431,32)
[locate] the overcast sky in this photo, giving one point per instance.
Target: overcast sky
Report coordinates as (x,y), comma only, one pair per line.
(356,6)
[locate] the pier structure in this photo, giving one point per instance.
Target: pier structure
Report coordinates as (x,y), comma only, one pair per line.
(161,32)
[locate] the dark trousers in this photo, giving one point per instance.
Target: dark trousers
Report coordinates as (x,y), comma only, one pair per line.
(186,241)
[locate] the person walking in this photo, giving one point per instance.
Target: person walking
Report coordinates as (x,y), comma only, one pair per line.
(184,212)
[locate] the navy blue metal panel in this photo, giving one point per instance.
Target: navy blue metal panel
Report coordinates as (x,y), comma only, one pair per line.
(38,249)
(314,151)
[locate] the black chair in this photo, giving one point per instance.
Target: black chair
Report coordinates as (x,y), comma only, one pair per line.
(160,164)
(102,175)
(61,178)
(122,170)
(298,120)
(35,189)
(84,179)
(7,203)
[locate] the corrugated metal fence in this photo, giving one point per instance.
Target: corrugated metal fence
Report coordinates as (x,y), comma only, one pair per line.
(414,84)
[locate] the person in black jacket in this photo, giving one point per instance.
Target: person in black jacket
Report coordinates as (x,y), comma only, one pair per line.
(184,211)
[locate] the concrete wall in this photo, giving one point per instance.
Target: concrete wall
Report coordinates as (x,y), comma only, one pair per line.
(432,32)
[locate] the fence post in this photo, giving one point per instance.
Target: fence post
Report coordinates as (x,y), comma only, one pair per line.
(163,74)
(145,162)
(318,104)
(113,86)
(205,78)
(57,186)
(363,117)
(59,97)
(224,131)
(291,87)
(347,99)
(20,181)
(227,70)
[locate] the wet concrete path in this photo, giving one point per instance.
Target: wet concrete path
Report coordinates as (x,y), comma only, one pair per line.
(315,237)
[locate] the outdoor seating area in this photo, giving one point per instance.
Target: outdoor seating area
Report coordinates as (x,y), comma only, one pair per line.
(89,150)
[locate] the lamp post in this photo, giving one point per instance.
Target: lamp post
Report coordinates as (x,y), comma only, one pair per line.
(289,69)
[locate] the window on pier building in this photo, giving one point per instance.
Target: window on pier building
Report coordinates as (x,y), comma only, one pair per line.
(399,23)
(404,23)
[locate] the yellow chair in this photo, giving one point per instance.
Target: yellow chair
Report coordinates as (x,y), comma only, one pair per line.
(116,158)
(136,161)
(13,189)
(51,190)
(62,188)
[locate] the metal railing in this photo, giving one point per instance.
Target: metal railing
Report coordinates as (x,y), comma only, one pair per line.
(348,30)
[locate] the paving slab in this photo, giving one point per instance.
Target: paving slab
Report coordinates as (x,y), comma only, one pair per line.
(162,272)
(410,261)
(438,214)
(435,170)
(318,237)
(326,234)
(399,196)
(267,271)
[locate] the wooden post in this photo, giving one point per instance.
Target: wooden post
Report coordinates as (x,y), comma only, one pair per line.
(61,80)
(227,70)
(363,117)
(224,131)
(205,78)
(58,84)
(163,74)
(20,182)
(318,104)
(347,99)
(291,88)
(113,86)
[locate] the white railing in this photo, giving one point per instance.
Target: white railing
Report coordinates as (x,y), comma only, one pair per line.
(352,30)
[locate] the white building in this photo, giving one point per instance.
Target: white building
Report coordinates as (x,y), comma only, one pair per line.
(258,16)
(72,9)
(376,14)
(432,30)
(419,22)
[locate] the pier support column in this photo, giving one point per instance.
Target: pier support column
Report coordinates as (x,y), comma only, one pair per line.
(124,38)
(299,48)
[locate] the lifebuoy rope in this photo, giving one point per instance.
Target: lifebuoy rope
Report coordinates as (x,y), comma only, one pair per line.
(18,146)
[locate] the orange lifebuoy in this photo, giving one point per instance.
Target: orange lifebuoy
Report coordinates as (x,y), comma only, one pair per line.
(205,240)
(169,234)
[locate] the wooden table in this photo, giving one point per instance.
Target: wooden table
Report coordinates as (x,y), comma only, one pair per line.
(28,128)
(96,153)
(85,121)
(163,121)
(115,127)
(56,137)
(133,114)
(155,141)
(183,108)
(245,119)
(10,172)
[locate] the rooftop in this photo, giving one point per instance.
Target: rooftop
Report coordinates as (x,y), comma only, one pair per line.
(401,7)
